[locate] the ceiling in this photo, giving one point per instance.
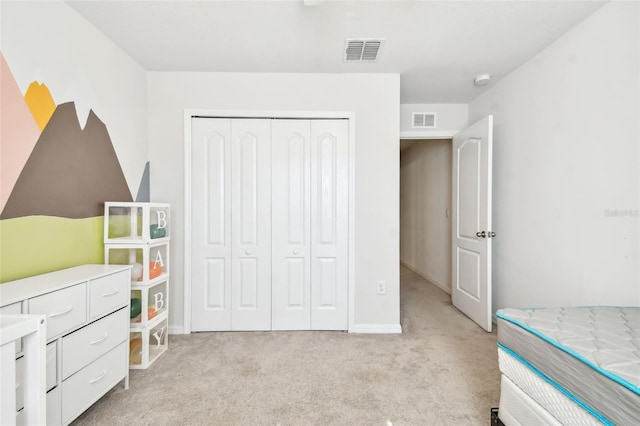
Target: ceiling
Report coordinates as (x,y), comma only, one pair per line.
(438,47)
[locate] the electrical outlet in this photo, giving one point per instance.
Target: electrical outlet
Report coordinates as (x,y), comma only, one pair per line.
(381,287)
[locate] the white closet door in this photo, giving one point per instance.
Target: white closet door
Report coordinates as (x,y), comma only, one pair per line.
(291,274)
(251,225)
(211,225)
(254,180)
(329,224)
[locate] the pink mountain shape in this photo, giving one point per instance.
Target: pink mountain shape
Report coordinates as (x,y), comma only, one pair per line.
(18,132)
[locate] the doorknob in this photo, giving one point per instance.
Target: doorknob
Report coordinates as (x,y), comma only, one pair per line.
(481,234)
(295,252)
(248,252)
(491,234)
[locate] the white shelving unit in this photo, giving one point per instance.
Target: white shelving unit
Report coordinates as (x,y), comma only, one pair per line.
(138,234)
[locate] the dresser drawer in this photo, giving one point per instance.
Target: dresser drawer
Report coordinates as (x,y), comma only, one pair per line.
(91,342)
(65,309)
(50,374)
(89,384)
(51,365)
(108,293)
(54,416)
(13,309)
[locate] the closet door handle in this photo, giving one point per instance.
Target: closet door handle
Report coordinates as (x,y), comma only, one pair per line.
(295,252)
(247,252)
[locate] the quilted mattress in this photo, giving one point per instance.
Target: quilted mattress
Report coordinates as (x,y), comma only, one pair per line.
(589,354)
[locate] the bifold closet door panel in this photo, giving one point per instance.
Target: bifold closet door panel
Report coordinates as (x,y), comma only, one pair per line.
(251,224)
(291,221)
(329,224)
(211,224)
(269,224)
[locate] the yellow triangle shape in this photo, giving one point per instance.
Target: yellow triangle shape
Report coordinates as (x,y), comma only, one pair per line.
(40,103)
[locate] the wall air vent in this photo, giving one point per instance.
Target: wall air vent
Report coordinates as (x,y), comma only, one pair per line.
(424,120)
(362,50)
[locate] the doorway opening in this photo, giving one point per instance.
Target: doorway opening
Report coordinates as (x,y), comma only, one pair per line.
(466,224)
(425,209)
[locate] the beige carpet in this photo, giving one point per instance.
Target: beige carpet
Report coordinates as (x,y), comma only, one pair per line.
(441,370)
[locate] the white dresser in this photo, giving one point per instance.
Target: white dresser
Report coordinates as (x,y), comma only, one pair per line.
(87,309)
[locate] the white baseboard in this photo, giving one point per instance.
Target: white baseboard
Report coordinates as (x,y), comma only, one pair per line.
(358,328)
(377,328)
(176,329)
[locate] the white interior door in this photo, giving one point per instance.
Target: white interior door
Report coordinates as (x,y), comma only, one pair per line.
(231,230)
(211,224)
(471,222)
(251,224)
(329,224)
(310,224)
(291,224)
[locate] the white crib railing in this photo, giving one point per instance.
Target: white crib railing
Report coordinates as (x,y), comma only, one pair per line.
(32,330)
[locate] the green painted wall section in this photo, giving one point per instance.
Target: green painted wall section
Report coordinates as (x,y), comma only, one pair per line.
(35,245)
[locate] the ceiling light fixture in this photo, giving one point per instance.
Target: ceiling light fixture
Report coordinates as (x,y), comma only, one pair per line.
(482,79)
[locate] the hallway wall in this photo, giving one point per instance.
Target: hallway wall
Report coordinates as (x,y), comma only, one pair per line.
(425,204)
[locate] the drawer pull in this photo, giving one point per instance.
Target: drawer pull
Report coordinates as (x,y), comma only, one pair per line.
(57,314)
(100,339)
(111,293)
(100,377)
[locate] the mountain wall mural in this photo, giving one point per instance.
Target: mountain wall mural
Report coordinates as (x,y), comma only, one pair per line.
(55,177)
(71,171)
(144,190)
(40,103)
(18,132)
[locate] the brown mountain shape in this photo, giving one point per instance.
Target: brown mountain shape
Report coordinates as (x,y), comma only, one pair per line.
(71,172)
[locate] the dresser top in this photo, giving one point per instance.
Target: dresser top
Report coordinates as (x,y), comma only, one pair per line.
(15,291)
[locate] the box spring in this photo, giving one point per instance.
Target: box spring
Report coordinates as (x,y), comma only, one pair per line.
(589,356)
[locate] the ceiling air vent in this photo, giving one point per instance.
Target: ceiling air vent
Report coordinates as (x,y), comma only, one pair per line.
(424,120)
(362,50)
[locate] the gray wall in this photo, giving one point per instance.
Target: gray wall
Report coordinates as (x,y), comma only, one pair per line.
(375,99)
(566,168)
